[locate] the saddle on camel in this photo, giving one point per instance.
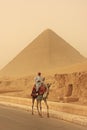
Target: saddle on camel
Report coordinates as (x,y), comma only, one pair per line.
(40,93)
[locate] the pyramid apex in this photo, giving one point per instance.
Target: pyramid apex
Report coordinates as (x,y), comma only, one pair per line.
(48,30)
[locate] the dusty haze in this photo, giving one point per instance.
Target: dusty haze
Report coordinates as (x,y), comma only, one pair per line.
(21,21)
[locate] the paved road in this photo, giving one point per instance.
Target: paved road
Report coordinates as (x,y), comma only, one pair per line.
(13,119)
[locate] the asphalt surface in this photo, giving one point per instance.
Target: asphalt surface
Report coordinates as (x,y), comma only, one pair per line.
(15,119)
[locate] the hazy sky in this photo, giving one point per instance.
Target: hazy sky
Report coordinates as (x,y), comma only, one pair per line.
(23,20)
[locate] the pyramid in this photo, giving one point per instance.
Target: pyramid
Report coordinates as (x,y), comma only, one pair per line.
(46,52)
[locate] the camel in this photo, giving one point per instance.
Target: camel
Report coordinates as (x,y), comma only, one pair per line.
(42,94)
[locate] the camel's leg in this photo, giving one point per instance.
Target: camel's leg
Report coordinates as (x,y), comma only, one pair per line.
(39,107)
(45,101)
(33,100)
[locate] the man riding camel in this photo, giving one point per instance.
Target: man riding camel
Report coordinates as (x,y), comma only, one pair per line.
(38,81)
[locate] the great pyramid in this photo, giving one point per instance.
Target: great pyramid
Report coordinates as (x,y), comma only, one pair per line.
(46,52)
